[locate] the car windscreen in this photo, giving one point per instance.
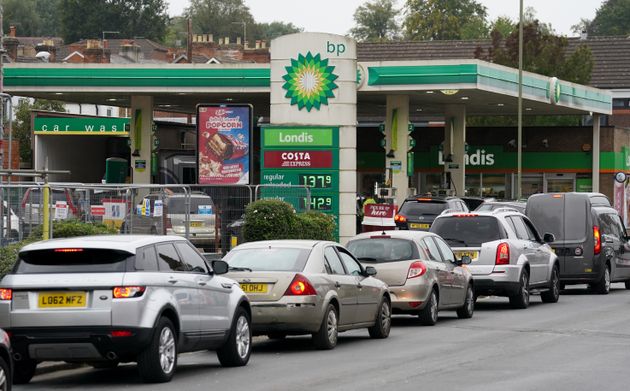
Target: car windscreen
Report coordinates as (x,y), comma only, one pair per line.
(198,205)
(272,259)
(469,231)
(381,250)
(72,260)
(414,208)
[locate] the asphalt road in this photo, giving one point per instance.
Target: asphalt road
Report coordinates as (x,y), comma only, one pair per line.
(580,343)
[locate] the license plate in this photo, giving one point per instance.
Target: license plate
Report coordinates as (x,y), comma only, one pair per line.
(61,299)
(254,288)
(419,226)
(473,255)
(196,224)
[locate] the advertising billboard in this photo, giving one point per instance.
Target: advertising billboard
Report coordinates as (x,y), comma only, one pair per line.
(223,144)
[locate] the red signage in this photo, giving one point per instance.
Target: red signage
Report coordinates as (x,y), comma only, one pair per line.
(97,210)
(298,159)
(385,211)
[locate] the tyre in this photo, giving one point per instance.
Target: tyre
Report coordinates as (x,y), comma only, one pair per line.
(5,376)
(603,285)
(158,361)
(627,284)
(429,314)
(553,294)
(276,336)
(326,337)
(466,310)
(238,347)
(563,286)
(23,371)
(383,323)
(521,299)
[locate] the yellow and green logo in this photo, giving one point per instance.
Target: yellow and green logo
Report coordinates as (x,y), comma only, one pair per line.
(310,81)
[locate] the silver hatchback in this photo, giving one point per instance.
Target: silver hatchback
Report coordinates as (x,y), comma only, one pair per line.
(509,257)
(110,299)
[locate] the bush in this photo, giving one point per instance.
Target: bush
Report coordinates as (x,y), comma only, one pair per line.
(273,219)
(72,228)
(8,255)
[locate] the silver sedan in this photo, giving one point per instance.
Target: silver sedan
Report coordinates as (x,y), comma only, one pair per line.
(309,287)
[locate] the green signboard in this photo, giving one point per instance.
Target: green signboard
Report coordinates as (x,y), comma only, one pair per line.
(81,126)
(280,137)
(317,180)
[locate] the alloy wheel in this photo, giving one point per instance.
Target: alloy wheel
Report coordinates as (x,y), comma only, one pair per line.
(3,380)
(331,327)
(243,339)
(386,316)
(167,350)
(524,290)
(434,307)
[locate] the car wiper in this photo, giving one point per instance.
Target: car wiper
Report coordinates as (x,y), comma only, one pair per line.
(455,240)
(239,269)
(367,259)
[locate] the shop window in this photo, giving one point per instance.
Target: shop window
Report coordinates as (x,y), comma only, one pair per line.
(473,185)
(493,186)
(532,185)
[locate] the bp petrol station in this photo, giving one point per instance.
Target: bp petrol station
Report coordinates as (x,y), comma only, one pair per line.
(307,104)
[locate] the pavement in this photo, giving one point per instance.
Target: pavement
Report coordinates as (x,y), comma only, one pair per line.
(580,343)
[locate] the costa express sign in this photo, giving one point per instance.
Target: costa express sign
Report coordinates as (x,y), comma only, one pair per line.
(298,159)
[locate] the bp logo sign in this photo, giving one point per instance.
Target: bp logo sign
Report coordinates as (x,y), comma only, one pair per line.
(310,81)
(554,90)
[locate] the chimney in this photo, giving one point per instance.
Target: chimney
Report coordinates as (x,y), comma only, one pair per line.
(220,41)
(226,40)
(238,40)
(584,35)
(11,46)
(263,44)
(12,31)
(258,44)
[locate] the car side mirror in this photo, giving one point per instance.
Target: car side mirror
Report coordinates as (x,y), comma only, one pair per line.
(370,271)
(464,260)
(549,238)
(220,267)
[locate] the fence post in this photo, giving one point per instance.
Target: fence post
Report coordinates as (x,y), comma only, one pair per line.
(46,212)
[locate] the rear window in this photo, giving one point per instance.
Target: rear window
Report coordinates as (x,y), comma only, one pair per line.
(414,208)
(468,231)
(547,214)
(381,250)
(74,260)
(198,205)
(269,259)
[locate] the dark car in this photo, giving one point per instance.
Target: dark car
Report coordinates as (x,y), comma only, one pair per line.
(489,206)
(6,365)
(590,237)
(418,212)
(473,202)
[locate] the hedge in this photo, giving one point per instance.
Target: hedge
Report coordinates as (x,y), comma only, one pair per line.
(274,219)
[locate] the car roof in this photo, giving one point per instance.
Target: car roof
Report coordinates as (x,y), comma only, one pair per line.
(128,243)
(307,244)
(396,234)
(421,197)
(475,213)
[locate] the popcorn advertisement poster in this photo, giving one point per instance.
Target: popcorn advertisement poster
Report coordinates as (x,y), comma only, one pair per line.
(223,144)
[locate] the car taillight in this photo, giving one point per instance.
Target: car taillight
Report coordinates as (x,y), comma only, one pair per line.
(597,248)
(503,254)
(68,250)
(6,294)
(416,269)
(125,292)
(300,286)
(400,218)
(121,333)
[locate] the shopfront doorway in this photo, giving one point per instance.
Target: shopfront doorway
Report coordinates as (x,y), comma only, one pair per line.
(559,183)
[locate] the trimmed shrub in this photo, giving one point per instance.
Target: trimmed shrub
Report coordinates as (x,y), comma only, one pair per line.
(71,228)
(315,226)
(268,220)
(8,255)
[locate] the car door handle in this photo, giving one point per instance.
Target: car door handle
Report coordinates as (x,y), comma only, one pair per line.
(172,281)
(202,283)
(337,284)
(359,286)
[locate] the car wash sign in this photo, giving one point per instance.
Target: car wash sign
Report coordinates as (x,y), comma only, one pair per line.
(302,156)
(84,126)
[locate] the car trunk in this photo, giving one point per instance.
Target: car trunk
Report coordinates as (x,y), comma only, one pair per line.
(80,299)
(482,257)
(199,223)
(392,273)
(263,286)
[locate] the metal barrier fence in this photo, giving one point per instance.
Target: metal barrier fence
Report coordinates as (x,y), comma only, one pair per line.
(211,217)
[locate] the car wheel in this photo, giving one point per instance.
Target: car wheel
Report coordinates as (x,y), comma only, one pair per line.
(383,323)
(521,299)
(23,371)
(466,311)
(563,286)
(603,285)
(276,336)
(238,347)
(157,362)
(553,294)
(326,337)
(429,314)
(5,376)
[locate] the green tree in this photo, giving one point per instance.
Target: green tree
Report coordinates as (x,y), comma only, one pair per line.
(376,21)
(83,19)
(22,124)
(22,14)
(611,19)
(269,31)
(445,19)
(503,25)
(222,18)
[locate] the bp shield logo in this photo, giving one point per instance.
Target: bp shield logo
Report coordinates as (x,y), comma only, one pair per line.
(310,81)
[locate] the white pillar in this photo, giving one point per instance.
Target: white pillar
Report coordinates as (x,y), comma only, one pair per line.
(456,115)
(596,152)
(347,182)
(142,122)
(397,142)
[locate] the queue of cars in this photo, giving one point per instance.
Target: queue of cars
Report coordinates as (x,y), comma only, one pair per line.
(110,299)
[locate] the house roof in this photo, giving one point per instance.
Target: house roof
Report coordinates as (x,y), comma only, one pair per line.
(611,55)
(147,47)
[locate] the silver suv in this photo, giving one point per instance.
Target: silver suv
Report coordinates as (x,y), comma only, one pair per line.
(509,258)
(110,299)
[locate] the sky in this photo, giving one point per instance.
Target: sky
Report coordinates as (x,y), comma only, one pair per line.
(336,16)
